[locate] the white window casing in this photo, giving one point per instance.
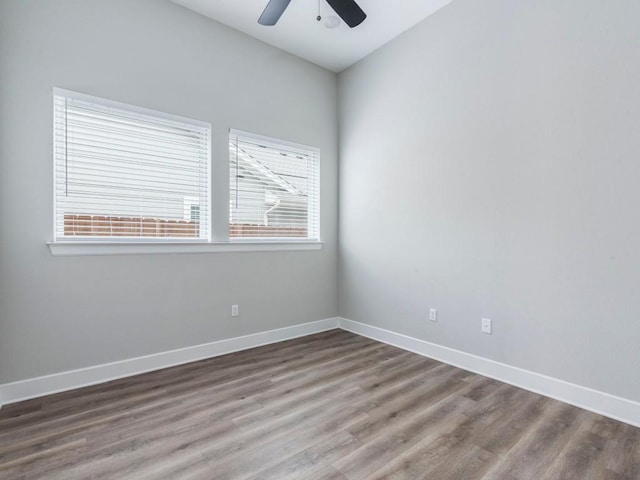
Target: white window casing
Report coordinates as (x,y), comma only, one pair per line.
(274,189)
(128,174)
(129,180)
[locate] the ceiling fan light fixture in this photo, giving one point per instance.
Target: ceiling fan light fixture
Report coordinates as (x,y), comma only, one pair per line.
(331,21)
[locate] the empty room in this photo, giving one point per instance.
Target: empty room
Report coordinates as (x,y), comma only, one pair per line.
(319,239)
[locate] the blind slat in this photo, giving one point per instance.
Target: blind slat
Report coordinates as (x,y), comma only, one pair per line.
(274,189)
(120,172)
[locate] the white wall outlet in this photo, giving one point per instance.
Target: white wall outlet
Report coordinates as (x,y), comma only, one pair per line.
(235,311)
(486,326)
(433,314)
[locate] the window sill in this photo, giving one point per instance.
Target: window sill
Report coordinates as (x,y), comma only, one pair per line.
(137,248)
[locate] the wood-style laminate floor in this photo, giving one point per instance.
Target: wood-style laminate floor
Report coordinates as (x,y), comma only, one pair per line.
(327,406)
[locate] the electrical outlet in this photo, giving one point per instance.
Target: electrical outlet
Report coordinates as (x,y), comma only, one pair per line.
(486,326)
(235,311)
(433,314)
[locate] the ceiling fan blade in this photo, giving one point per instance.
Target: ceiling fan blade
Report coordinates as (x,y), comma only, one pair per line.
(349,11)
(272,12)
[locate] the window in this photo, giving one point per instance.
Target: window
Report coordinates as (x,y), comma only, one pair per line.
(130,180)
(127,173)
(274,189)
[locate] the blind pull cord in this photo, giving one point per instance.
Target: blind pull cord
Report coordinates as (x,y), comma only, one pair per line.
(237,170)
(66,154)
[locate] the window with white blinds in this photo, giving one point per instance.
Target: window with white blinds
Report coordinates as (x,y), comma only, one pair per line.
(274,188)
(123,172)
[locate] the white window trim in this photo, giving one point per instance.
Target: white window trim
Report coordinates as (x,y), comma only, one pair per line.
(125,246)
(133,108)
(78,248)
(263,138)
(295,146)
(56,91)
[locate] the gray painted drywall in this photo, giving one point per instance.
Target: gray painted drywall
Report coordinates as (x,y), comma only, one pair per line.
(489,168)
(62,313)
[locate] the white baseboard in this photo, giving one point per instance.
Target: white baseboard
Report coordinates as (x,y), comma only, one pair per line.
(83,377)
(618,408)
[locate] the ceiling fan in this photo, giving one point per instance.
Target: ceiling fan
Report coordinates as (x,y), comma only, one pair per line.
(348,10)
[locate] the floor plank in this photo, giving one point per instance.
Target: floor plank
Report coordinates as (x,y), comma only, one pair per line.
(327,406)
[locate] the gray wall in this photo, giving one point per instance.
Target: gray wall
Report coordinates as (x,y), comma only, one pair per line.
(489,168)
(61,313)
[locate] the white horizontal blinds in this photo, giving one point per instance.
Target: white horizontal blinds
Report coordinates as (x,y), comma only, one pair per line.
(274,189)
(121,172)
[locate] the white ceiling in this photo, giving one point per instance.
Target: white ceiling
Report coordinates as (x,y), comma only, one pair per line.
(299,33)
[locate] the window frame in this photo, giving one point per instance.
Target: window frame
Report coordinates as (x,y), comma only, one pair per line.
(304,149)
(59,92)
(74,246)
